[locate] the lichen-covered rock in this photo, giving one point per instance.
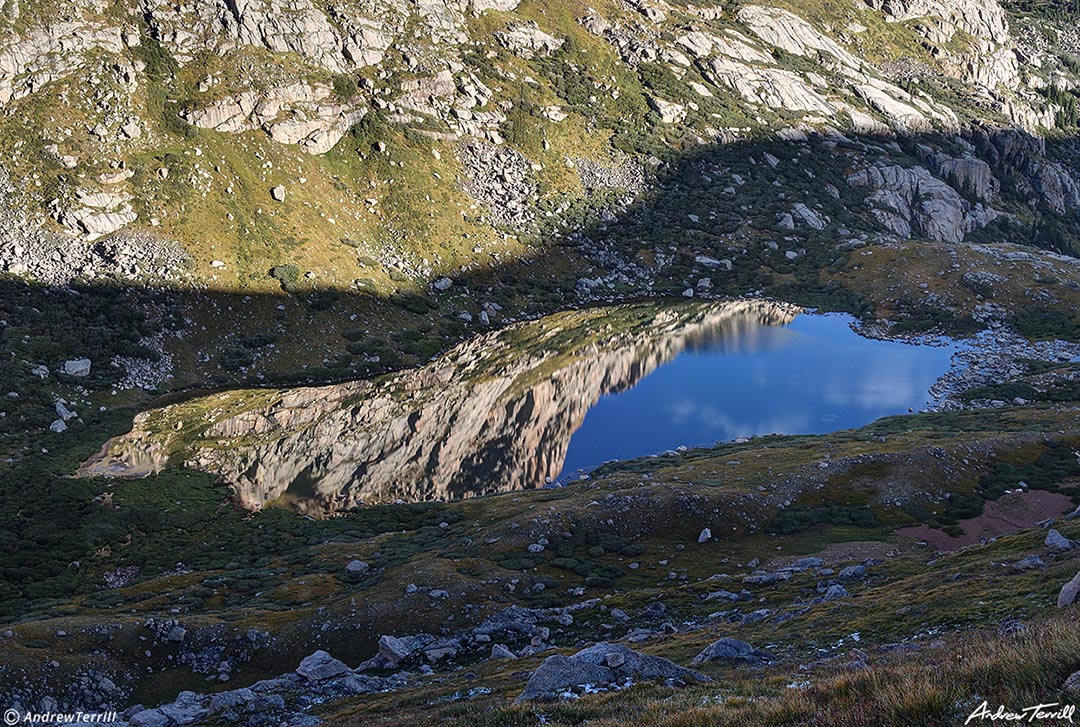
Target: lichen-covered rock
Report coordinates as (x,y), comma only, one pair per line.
(321,665)
(732,651)
(528,41)
(600,665)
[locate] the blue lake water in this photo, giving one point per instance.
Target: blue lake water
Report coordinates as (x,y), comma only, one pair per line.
(811,376)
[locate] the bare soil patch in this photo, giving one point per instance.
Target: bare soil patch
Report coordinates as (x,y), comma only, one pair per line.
(1007,514)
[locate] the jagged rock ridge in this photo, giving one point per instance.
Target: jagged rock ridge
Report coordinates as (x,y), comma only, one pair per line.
(494,414)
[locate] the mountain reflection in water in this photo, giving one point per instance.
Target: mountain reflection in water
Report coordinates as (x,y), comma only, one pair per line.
(494,414)
(812,376)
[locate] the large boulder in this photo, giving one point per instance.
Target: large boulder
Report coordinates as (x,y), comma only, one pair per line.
(600,664)
(321,665)
(1029,563)
(393,650)
(1067,596)
(626,662)
(357,567)
(912,202)
(76,367)
(732,651)
(1057,541)
(559,673)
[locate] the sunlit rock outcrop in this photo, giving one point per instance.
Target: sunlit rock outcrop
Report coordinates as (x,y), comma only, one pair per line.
(494,414)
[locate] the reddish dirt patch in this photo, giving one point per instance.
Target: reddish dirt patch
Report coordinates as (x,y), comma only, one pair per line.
(1005,515)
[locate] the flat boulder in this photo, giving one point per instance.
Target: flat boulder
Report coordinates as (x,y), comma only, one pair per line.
(834,592)
(626,662)
(1029,563)
(806,563)
(321,665)
(853,571)
(733,651)
(600,664)
(76,367)
(560,673)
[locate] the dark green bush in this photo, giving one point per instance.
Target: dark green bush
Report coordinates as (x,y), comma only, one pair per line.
(288,275)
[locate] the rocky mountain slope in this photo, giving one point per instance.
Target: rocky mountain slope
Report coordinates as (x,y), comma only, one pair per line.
(294,194)
(284,128)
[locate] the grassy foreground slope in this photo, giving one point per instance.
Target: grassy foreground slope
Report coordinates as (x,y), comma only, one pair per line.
(628,538)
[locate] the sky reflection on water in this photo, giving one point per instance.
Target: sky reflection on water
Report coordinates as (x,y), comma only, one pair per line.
(812,376)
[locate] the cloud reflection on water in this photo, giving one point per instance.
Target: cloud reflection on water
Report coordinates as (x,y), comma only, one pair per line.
(813,375)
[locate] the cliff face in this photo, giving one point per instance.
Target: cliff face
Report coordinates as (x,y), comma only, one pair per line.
(493,415)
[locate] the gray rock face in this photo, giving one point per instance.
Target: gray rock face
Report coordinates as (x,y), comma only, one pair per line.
(504,6)
(853,571)
(301,114)
(499,651)
(969,175)
(528,41)
(357,567)
(1021,158)
(1029,563)
(321,665)
(990,59)
(1067,596)
(600,664)
(40,55)
(912,202)
(835,592)
(732,651)
(1057,541)
(77,367)
(281,26)
(776,88)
